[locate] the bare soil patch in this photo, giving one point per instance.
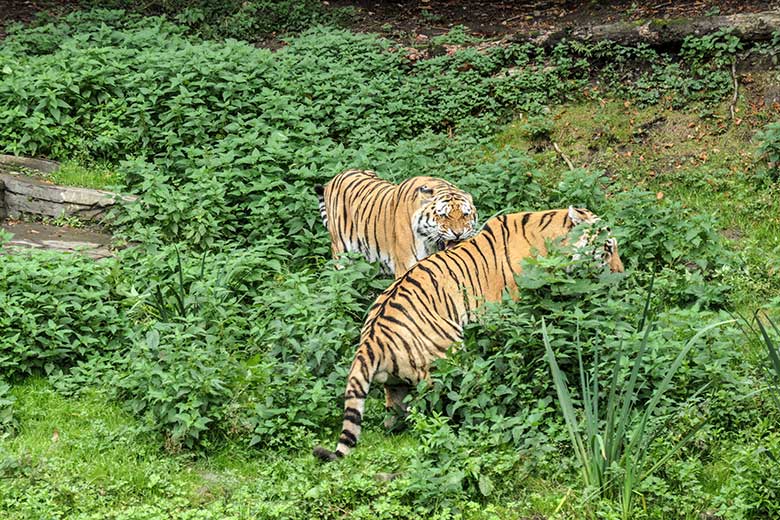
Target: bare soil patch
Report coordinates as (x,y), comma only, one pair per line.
(503,18)
(483,19)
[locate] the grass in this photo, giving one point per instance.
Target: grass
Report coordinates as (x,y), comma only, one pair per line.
(82,457)
(86,175)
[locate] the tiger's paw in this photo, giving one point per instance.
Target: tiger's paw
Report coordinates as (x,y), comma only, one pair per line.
(324,455)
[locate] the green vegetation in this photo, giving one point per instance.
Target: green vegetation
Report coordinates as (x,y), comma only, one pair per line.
(86,175)
(190,376)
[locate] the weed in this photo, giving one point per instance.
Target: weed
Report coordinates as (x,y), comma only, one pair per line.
(614,452)
(769,149)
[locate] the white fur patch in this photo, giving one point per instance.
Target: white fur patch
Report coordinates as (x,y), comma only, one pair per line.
(442,208)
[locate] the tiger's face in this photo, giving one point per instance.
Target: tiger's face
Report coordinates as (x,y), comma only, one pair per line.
(589,242)
(445,218)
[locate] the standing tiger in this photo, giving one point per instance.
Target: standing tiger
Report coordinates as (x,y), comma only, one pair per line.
(397,224)
(423,313)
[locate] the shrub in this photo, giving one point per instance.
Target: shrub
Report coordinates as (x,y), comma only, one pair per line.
(179,377)
(252,20)
(57,309)
(611,440)
(495,387)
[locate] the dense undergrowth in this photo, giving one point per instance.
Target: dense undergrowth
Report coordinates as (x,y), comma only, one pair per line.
(221,341)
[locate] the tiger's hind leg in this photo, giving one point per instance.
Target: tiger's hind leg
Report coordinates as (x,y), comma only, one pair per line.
(395,406)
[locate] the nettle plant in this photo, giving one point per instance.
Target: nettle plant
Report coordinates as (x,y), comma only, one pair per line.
(57,310)
(769,149)
(233,343)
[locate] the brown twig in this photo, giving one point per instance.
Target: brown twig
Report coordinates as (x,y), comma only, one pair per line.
(736,89)
(563,155)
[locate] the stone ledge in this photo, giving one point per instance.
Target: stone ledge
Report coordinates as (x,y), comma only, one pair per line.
(14,163)
(20,194)
(27,195)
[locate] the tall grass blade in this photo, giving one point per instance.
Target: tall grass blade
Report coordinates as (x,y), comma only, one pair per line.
(774,356)
(564,398)
(626,436)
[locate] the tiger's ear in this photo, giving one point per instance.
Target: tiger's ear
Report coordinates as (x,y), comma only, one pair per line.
(575,218)
(425,190)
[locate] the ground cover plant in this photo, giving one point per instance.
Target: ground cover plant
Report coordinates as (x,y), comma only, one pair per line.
(190,376)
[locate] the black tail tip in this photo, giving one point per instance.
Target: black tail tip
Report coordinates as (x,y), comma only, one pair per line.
(325,455)
(319,189)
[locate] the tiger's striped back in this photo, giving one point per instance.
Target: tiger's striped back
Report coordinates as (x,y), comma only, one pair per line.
(423,313)
(396,225)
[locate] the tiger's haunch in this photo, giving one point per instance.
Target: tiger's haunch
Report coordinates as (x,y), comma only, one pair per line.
(423,313)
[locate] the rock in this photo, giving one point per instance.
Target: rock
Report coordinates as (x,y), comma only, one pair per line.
(17,164)
(27,195)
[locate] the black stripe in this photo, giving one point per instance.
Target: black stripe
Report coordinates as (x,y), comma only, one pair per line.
(549,216)
(466,252)
(413,281)
(523,223)
(348,438)
(430,322)
(425,269)
(353,416)
(401,340)
(505,235)
(356,385)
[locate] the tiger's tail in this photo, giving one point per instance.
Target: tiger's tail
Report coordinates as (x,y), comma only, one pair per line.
(358,383)
(319,189)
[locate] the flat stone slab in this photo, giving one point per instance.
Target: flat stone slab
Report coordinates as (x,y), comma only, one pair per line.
(67,239)
(28,195)
(14,163)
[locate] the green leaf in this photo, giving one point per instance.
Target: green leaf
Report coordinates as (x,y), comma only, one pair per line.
(153,338)
(485,485)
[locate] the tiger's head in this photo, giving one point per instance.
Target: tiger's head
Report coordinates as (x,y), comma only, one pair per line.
(606,253)
(445,216)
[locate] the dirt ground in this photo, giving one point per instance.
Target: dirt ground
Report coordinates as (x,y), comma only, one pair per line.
(486,19)
(25,10)
(500,18)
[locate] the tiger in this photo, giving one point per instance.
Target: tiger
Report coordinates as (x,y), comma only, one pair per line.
(422,313)
(396,224)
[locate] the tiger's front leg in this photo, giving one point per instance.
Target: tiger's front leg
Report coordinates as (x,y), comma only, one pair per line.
(395,406)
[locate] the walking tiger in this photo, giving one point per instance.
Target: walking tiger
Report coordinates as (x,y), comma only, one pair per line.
(423,312)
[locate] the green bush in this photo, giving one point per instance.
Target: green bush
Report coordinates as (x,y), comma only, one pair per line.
(231,343)
(56,310)
(180,377)
(252,20)
(751,489)
(495,387)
